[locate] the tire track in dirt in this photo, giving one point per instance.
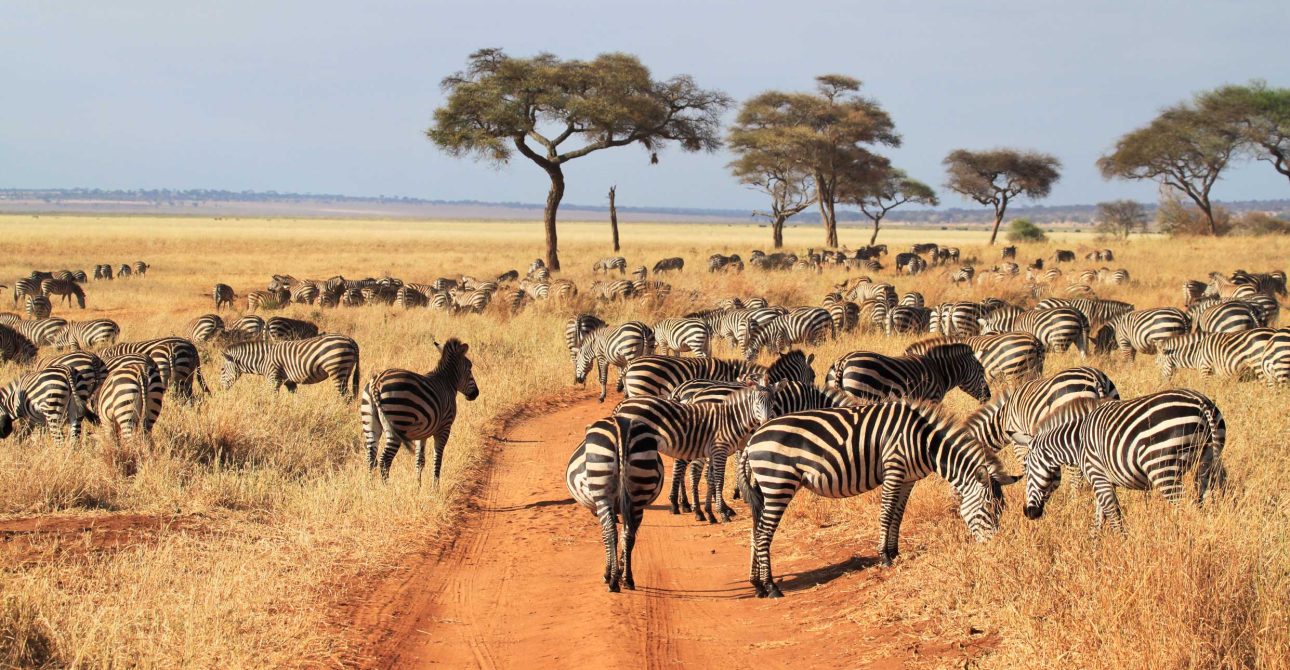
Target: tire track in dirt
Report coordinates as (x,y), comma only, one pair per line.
(520,584)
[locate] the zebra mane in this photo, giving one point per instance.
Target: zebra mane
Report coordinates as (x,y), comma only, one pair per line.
(1074,411)
(951,430)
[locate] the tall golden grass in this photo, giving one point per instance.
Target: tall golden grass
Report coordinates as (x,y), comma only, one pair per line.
(289,519)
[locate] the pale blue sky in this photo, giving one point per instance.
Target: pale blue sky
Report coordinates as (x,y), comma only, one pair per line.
(333,97)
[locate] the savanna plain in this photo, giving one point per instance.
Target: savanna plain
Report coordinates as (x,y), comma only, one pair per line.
(247,533)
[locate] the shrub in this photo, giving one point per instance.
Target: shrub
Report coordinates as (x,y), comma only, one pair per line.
(1022,230)
(1178,219)
(1261,223)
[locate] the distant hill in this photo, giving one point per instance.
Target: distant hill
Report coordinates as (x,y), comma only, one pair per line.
(203,202)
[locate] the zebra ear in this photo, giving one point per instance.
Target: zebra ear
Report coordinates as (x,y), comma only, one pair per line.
(436,343)
(464,347)
(810,359)
(1005,479)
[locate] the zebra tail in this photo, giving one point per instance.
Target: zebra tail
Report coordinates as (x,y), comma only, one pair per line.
(354,378)
(624,487)
(748,487)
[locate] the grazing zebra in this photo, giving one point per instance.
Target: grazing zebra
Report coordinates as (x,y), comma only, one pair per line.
(1008,253)
(1057,327)
(563,289)
(672,264)
(124,271)
(38,307)
(653,289)
(963,274)
(1149,442)
(224,296)
(957,319)
(872,314)
(617,346)
(675,336)
(883,292)
(1024,408)
(1005,357)
(408,297)
(15,347)
(474,302)
(280,328)
(619,289)
(305,293)
(709,431)
(267,299)
(843,452)
(507,277)
(46,397)
(1096,311)
(925,248)
(845,316)
(804,325)
(735,325)
(616,472)
(1228,317)
(577,329)
(606,264)
(913,299)
(541,274)
(130,397)
(659,375)
(1237,354)
(249,327)
(43,332)
(400,407)
(640,273)
(1276,358)
(719,263)
(1064,256)
(176,357)
(88,372)
(1193,290)
(910,263)
(295,362)
(25,287)
(878,378)
(515,299)
(1141,330)
(141,268)
(1120,276)
(87,334)
(903,319)
(66,288)
(205,328)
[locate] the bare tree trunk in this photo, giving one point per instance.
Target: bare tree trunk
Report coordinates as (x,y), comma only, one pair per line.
(824,196)
(999,210)
(613,216)
(873,239)
(553,198)
(777,229)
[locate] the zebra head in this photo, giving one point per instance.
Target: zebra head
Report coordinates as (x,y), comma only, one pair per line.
(453,352)
(1167,359)
(231,371)
(981,497)
(582,360)
(793,366)
(1043,475)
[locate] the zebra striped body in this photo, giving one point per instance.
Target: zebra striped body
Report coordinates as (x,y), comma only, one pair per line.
(130,397)
(87,334)
(804,325)
(141,268)
(205,328)
(305,293)
(910,263)
(606,264)
(25,287)
(1237,354)
(1140,331)
(675,336)
(66,288)
(38,307)
(672,264)
(1228,317)
(408,297)
(291,363)
(1005,357)
(280,328)
(400,407)
(250,327)
(616,472)
(43,332)
(577,329)
(1023,409)
(845,316)
(1149,442)
(619,289)
(176,358)
(659,375)
(1276,358)
(721,263)
(46,397)
(843,452)
(267,299)
(877,378)
(957,319)
(904,319)
(224,296)
(1057,327)
(14,346)
(1096,311)
(963,275)
(617,347)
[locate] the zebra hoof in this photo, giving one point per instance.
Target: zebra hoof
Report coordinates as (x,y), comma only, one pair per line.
(674,510)
(759,590)
(727,515)
(629,584)
(613,587)
(885,559)
(685,507)
(773,591)
(698,516)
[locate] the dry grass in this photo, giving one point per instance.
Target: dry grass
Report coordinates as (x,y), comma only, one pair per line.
(290,515)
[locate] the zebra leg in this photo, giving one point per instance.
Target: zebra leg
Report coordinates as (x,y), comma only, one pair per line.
(371,430)
(440,441)
(392,445)
(1108,506)
(716,484)
(609,536)
(291,386)
(602,368)
(421,460)
(631,523)
(763,534)
(895,494)
(678,488)
(697,466)
(1210,474)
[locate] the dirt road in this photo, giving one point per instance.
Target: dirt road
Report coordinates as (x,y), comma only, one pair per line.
(520,585)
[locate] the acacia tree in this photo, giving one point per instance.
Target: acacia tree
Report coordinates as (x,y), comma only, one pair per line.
(821,135)
(1183,148)
(997,176)
(764,162)
(1121,217)
(887,191)
(1261,116)
(553,111)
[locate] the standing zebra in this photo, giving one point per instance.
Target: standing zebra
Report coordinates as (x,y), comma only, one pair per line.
(1096,311)
(400,407)
(44,332)
(1005,357)
(619,289)
(709,431)
(843,452)
(1276,358)
(141,268)
(224,296)
(804,325)
(1141,330)
(606,264)
(577,329)
(616,472)
(618,347)
(66,288)
(205,328)
(305,293)
(1228,317)
(250,327)
(878,378)
(1237,354)
(267,299)
(124,271)
(675,336)
(130,397)
(46,397)
(958,319)
(88,372)
(38,307)
(659,375)
(1057,327)
(87,334)
(295,362)
(906,319)
(176,358)
(1144,443)
(23,288)
(280,328)
(672,264)
(1024,408)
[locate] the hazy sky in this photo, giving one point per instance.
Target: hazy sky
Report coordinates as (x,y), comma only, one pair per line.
(333,97)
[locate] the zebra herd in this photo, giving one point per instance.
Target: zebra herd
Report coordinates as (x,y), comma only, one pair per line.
(876,423)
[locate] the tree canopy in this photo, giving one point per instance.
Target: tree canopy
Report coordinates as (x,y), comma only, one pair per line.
(1121,218)
(553,111)
(998,176)
(889,190)
(1260,115)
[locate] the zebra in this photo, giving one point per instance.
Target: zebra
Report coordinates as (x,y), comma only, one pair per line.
(1096,311)
(15,347)
(845,316)
(577,329)
(925,248)
(963,274)
(619,289)
(846,451)
(720,263)
(400,407)
(507,277)
(24,287)
(141,268)
(878,378)
(1025,407)
(912,299)
(618,347)
(249,327)
(883,292)
(124,271)
(1064,256)
(267,299)
(1008,253)
(804,325)
(1141,330)
(67,288)
(474,302)
(1276,358)
(711,431)
(1005,357)
(1057,327)
(88,372)
(224,296)
(957,319)
(1120,276)
(305,293)
(910,263)
(675,336)
(659,375)
(563,289)
(45,397)
(294,362)
(671,264)
(1228,317)
(735,325)
(130,397)
(652,289)
(87,334)
(205,328)
(280,328)
(43,332)
(408,297)
(1237,354)
(640,273)
(38,307)
(905,319)
(176,357)
(541,274)
(1149,442)
(606,264)
(616,472)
